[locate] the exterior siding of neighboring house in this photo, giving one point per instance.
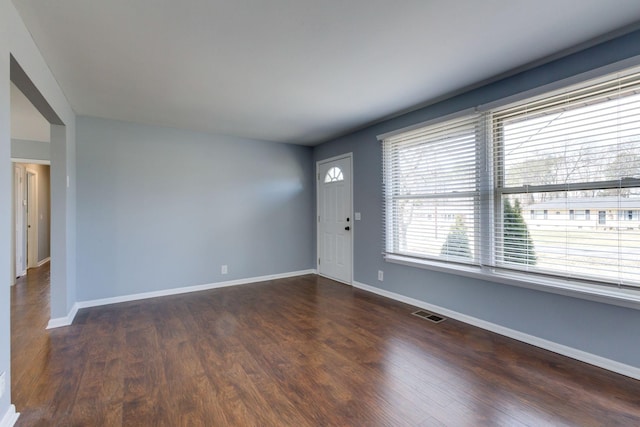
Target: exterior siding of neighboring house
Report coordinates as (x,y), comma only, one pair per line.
(596,212)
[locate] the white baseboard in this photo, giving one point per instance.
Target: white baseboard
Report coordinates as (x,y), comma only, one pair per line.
(10,417)
(68,319)
(44,261)
(583,356)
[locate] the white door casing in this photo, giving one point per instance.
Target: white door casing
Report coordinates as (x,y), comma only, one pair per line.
(20,219)
(335,220)
(32,218)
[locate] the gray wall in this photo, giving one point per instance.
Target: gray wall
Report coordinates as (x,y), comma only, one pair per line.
(32,150)
(6,172)
(161,208)
(605,330)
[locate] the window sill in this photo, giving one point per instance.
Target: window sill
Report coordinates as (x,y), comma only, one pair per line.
(621,297)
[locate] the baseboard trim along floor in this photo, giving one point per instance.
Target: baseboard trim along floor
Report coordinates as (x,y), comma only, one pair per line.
(583,356)
(10,417)
(68,319)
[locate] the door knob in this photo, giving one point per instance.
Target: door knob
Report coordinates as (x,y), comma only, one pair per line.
(347,228)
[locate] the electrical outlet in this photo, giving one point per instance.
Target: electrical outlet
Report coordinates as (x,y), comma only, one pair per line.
(3,384)
(380,275)
(224,269)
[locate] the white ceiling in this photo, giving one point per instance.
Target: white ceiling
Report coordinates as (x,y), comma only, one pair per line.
(297,71)
(27,122)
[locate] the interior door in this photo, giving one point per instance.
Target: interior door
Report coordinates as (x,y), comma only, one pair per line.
(335,222)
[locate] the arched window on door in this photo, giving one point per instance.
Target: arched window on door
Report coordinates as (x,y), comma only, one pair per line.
(333,175)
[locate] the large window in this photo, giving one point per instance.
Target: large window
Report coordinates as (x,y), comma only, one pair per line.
(433,191)
(517,197)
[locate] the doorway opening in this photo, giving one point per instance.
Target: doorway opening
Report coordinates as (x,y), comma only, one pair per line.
(32,213)
(30,152)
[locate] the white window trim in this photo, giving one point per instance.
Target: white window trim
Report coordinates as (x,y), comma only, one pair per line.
(623,297)
(435,120)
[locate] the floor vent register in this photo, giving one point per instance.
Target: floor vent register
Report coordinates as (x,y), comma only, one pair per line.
(429,316)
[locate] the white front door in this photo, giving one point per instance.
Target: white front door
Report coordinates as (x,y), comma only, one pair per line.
(335,222)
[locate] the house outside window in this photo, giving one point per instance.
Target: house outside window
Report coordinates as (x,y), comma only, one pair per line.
(628,215)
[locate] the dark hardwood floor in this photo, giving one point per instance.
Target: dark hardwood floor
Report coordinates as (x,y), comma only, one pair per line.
(303,351)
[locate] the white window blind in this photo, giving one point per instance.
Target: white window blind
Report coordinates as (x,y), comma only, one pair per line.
(550,191)
(431,191)
(569,154)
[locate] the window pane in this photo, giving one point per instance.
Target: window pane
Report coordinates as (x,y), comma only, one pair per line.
(437,166)
(333,175)
(431,191)
(604,247)
(567,155)
(436,228)
(581,144)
